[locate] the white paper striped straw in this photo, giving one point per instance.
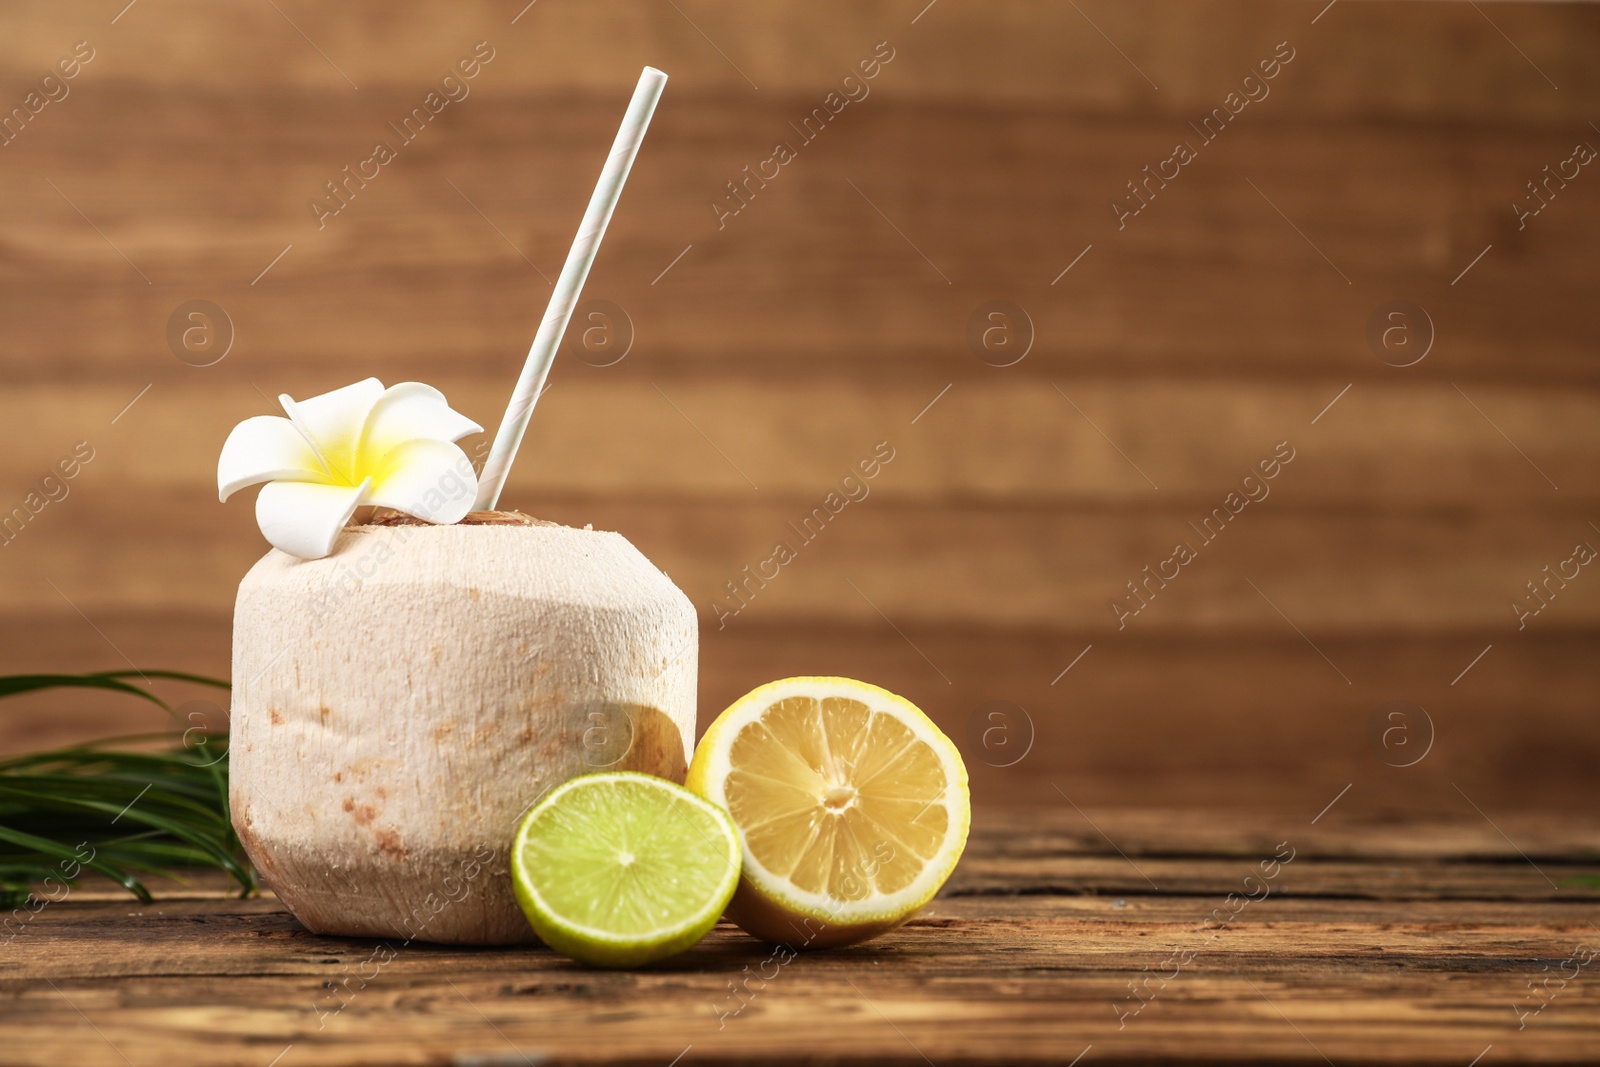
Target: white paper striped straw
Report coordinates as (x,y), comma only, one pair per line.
(581,257)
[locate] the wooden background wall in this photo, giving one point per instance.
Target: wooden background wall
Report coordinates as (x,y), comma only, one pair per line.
(771,353)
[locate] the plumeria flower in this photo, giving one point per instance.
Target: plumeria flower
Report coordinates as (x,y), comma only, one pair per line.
(362,444)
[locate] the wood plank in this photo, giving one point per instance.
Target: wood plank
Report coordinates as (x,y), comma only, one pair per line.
(1209,280)
(62,946)
(1207,838)
(97,906)
(1023,52)
(1336,573)
(1243,722)
(624,432)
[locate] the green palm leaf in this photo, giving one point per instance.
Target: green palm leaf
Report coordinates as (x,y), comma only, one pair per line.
(144,805)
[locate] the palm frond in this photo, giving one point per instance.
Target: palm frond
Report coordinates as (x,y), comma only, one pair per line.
(148,804)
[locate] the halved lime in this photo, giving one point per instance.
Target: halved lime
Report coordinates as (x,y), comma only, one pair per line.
(620,869)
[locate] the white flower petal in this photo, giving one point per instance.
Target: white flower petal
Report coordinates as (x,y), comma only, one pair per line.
(333,422)
(352,446)
(304,519)
(407,412)
(431,480)
(262,449)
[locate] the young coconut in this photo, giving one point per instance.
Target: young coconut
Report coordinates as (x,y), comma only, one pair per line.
(399,704)
(404,694)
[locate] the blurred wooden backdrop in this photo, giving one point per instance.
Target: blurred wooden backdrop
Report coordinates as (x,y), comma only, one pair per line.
(770,354)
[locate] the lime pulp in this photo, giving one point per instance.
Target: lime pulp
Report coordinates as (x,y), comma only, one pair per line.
(620,869)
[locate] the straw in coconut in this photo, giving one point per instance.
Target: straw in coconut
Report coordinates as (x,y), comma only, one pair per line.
(568,286)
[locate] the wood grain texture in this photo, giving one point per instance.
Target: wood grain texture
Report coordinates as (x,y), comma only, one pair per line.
(1408,943)
(773,349)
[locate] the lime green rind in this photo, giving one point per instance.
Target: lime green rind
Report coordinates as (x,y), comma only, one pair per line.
(578,823)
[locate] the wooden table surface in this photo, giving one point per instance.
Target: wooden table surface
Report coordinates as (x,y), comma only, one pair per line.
(1065,936)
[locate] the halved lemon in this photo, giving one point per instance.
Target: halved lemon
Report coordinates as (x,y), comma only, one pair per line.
(852,808)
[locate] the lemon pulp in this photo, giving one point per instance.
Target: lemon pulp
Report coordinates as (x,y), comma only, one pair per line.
(838,800)
(851,806)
